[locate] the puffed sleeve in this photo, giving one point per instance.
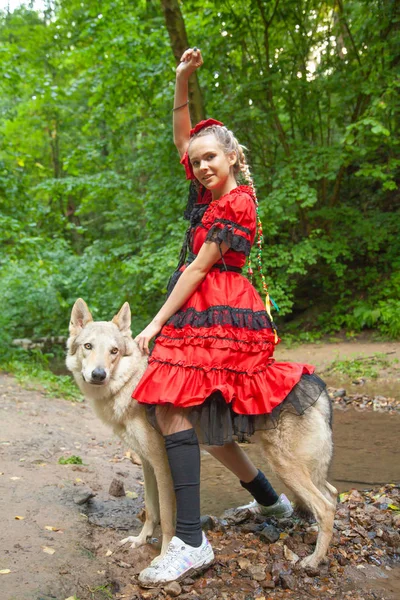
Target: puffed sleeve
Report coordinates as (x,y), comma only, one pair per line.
(234,222)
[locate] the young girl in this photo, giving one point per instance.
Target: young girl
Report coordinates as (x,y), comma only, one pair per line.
(211,366)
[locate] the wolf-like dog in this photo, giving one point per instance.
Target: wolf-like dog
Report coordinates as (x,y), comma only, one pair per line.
(107,365)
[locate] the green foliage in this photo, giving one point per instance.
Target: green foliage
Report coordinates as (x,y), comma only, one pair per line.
(92,193)
(291,340)
(368,367)
(71,460)
(32,370)
(378,308)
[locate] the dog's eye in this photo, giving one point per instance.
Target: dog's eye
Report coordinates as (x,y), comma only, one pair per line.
(114,351)
(88,346)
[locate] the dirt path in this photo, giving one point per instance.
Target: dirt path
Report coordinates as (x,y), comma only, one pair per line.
(73,558)
(35,433)
(321,355)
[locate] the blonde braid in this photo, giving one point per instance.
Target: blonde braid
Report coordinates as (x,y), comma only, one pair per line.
(244,170)
(243,167)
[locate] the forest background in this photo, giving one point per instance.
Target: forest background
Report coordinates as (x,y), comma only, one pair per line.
(91,190)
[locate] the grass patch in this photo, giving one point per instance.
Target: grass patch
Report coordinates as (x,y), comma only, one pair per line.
(291,340)
(367,367)
(103,590)
(31,370)
(71,460)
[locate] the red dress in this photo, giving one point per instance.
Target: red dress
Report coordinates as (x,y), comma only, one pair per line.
(218,347)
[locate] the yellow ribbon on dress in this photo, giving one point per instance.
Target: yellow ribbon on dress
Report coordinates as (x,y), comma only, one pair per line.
(268,309)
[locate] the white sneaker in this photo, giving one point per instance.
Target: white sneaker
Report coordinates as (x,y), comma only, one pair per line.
(282,508)
(179,561)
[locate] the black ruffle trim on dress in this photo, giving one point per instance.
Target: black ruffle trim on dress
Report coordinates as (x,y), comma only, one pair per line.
(234,241)
(217,424)
(221,315)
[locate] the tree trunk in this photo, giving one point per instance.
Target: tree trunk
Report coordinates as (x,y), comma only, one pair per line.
(179,43)
(269,91)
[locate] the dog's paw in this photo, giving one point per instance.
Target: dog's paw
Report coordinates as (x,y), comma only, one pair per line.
(135,541)
(156,559)
(309,562)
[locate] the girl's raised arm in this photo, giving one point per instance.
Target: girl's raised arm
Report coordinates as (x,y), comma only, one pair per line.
(190,61)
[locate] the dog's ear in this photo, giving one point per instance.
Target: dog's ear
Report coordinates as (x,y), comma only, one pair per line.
(123,319)
(80,316)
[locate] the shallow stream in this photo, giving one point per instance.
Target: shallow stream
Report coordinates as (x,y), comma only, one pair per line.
(366,454)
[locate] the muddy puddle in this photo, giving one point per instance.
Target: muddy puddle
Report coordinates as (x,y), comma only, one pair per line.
(366,454)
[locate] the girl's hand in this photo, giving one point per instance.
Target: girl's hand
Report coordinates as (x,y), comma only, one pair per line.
(191,60)
(146,335)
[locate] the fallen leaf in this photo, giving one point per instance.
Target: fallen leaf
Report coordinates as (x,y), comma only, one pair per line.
(123,564)
(5,571)
(135,458)
(108,553)
(78,480)
(50,528)
(393,507)
(18,518)
(289,555)
(48,550)
(129,494)
(244,563)
(14,478)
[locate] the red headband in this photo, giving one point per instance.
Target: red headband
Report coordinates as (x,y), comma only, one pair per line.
(185,158)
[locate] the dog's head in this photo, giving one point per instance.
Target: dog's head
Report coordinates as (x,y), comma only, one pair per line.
(95,348)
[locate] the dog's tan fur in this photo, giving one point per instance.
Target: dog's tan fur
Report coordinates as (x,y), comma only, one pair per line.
(299,449)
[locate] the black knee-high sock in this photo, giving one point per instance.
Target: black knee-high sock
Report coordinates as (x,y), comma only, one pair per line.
(261,489)
(184,460)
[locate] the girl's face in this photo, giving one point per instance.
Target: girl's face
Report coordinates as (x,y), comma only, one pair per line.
(211,166)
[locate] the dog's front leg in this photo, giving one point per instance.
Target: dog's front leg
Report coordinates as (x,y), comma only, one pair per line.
(152,507)
(167,500)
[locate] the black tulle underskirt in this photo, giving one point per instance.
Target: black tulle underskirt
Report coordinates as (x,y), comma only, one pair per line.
(217,424)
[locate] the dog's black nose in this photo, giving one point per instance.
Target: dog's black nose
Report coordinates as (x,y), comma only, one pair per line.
(98,374)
